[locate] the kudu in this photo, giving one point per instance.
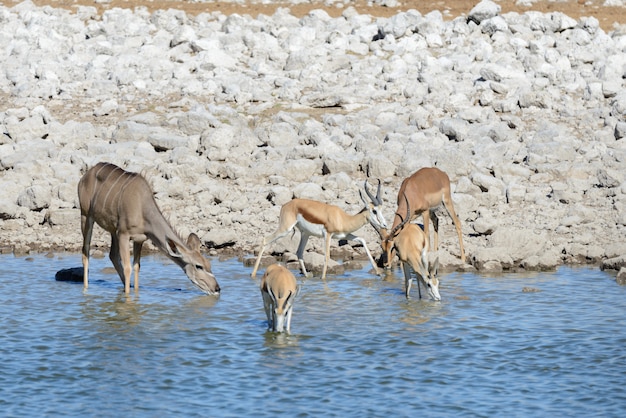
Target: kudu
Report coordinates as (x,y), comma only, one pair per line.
(314,218)
(122,203)
(279,290)
(424,191)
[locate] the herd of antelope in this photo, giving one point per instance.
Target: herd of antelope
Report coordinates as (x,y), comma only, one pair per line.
(122,203)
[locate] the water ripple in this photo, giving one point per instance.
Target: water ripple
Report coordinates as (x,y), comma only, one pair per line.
(357,348)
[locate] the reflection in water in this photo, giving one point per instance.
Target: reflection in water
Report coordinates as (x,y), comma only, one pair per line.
(416,312)
(280,340)
(202,303)
(120,314)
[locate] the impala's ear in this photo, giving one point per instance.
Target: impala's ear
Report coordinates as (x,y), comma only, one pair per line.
(425,258)
(289,299)
(271,293)
(434,269)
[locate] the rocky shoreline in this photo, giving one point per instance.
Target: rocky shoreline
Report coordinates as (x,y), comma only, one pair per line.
(229,117)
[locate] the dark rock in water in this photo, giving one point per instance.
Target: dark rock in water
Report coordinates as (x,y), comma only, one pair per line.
(74,274)
(530,290)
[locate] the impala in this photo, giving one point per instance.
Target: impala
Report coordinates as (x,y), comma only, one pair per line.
(122,203)
(424,191)
(314,218)
(411,245)
(279,290)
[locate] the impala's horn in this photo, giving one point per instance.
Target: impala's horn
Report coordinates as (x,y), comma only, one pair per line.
(375,199)
(398,227)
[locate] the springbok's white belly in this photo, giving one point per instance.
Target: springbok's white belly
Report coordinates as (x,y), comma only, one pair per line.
(309,228)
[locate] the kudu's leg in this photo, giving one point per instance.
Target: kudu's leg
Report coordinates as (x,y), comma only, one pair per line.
(87,229)
(137,261)
(124,250)
(120,257)
(114,256)
(447,203)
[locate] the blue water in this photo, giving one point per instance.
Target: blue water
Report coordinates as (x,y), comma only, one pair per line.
(357,348)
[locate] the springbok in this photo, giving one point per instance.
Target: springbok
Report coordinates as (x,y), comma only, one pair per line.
(279,290)
(424,191)
(122,203)
(314,218)
(411,245)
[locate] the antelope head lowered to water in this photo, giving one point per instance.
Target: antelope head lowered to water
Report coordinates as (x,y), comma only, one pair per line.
(122,203)
(424,191)
(279,290)
(410,242)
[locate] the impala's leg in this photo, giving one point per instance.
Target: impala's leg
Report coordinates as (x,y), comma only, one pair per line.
(369,255)
(447,203)
(136,261)
(419,287)
(425,221)
(273,315)
(288,320)
(435,219)
(258,259)
(267,305)
(304,238)
(87,228)
(406,269)
(328,237)
(267,241)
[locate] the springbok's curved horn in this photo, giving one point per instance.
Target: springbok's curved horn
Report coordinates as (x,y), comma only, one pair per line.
(369,194)
(398,227)
(375,199)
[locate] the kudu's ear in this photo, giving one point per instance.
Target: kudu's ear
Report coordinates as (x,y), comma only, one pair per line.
(172,249)
(193,242)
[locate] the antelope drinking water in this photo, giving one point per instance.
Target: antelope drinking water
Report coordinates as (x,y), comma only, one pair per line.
(122,203)
(279,289)
(423,191)
(411,244)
